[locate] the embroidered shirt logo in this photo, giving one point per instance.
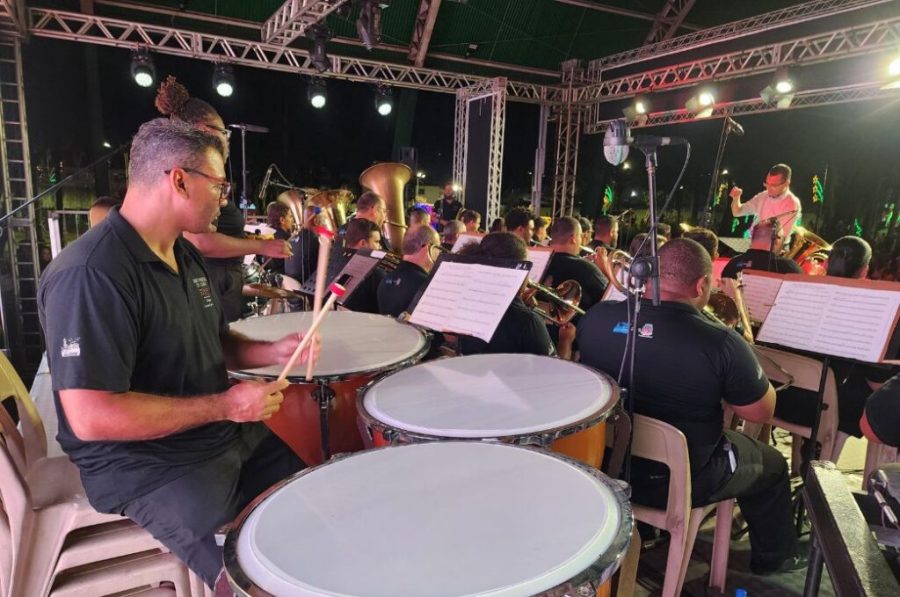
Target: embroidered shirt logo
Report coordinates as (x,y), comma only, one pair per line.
(203,290)
(70,348)
(646,330)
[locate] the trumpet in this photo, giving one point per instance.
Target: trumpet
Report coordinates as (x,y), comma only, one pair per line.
(555,305)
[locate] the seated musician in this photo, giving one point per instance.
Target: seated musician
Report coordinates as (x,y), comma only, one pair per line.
(371,207)
(521,330)
(520,221)
(606,232)
(685,366)
(302,264)
(849,258)
(398,288)
(364,234)
(565,264)
(471,218)
(763,254)
(138,346)
(418,217)
(279,217)
(540,238)
(450,234)
(881,419)
(587,235)
(707,239)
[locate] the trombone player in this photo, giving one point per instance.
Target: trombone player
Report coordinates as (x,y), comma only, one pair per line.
(565,264)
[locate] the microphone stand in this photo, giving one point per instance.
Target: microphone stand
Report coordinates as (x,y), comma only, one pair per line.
(707,216)
(253,129)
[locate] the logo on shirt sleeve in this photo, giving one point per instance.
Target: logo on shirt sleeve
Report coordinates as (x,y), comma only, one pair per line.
(70,348)
(646,330)
(204,292)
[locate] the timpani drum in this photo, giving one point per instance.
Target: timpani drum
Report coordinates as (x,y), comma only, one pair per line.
(515,398)
(435,519)
(355,348)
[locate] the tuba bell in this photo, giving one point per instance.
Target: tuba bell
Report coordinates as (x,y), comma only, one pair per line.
(334,203)
(387,181)
(809,250)
(291,199)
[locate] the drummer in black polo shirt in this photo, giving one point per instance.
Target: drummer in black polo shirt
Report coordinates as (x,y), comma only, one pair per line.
(565,264)
(685,366)
(138,346)
(398,288)
(760,257)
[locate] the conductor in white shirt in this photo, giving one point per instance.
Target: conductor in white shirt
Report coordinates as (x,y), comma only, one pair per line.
(777,201)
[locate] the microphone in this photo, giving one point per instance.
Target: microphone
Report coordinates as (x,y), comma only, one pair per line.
(617,140)
(734,126)
(250,128)
(654,141)
(265,184)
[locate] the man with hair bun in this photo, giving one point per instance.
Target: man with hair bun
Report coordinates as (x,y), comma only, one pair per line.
(139,349)
(685,366)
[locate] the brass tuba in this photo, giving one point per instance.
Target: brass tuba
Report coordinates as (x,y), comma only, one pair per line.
(334,203)
(808,248)
(387,181)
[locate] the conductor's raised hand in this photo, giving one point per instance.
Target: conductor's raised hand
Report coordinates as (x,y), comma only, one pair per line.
(283,349)
(735,193)
(250,401)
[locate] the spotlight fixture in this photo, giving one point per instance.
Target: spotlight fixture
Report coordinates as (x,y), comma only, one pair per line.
(319,36)
(317,93)
(142,70)
(223,79)
(893,80)
(780,91)
(702,104)
(368,25)
(638,110)
(384,101)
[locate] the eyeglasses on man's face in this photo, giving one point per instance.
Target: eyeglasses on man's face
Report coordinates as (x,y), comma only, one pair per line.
(224,131)
(222,184)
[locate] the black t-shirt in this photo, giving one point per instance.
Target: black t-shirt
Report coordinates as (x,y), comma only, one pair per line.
(760,260)
(116,318)
(305,257)
(685,365)
(230,223)
(398,288)
(883,412)
(520,331)
(364,297)
(564,267)
(447,208)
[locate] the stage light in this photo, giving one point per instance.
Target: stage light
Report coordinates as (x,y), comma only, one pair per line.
(317,93)
(368,25)
(638,109)
(702,104)
(420,175)
(223,79)
(780,91)
(626,165)
(725,172)
(893,80)
(319,36)
(384,101)
(142,70)
(456,187)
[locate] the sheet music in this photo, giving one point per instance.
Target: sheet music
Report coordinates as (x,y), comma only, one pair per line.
(540,259)
(357,268)
(465,238)
(832,319)
(613,294)
(467,298)
(759,294)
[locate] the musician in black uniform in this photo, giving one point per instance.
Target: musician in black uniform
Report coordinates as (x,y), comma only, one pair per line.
(279,218)
(685,366)
(371,207)
(447,207)
(364,234)
(881,419)
(520,221)
(302,264)
(521,330)
(606,232)
(760,257)
(567,265)
(398,288)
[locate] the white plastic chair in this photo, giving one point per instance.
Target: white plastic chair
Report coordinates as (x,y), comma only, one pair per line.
(661,442)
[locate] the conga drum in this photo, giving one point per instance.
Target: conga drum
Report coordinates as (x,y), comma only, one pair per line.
(436,519)
(355,348)
(514,398)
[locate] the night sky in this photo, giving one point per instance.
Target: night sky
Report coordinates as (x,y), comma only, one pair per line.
(858,142)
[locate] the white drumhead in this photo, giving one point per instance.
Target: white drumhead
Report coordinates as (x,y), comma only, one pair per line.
(351,342)
(454,518)
(488,395)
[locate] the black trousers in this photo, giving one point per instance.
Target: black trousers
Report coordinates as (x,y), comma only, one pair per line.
(760,483)
(184,515)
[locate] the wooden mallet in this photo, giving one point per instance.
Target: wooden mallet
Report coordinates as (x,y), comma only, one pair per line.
(337,291)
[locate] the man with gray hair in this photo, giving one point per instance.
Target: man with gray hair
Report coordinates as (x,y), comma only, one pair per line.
(685,366)
(421,247)
(139,348)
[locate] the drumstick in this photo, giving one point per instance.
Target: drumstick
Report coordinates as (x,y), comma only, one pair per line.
(325,238)
(337,291)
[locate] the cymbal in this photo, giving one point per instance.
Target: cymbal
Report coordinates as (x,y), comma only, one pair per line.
(266,291)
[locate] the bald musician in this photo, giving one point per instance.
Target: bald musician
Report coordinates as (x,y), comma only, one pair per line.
(421,247)
(565,264)
(138,345)
(685,367)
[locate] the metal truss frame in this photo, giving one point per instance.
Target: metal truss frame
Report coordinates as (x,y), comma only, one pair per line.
(120,33)
(841,43)
(803,99)
(669,19)
(294,17)
(496,89)
(791,15)
(618,10)
(12,16)
(568,133)
(422,31)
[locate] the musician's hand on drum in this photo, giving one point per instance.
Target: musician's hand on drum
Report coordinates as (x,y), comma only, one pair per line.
(278,249)
(284,348)
(735,193)
(251,401)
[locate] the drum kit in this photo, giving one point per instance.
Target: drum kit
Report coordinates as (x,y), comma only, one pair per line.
(481,471)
